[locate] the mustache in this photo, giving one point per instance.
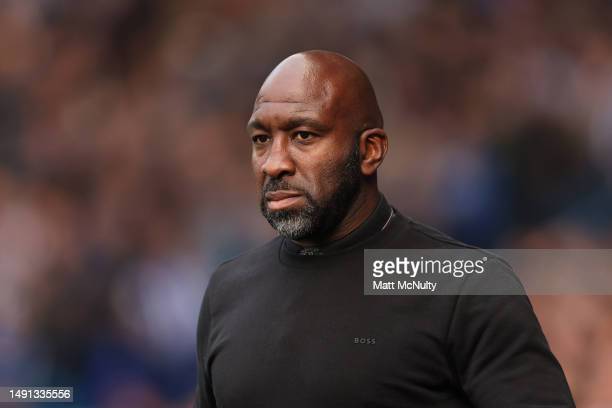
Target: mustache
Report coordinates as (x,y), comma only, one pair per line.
(280,184)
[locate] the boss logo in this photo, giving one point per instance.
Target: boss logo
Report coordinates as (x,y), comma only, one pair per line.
(364,340)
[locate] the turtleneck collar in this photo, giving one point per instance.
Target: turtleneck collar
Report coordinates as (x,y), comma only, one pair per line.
(292,252)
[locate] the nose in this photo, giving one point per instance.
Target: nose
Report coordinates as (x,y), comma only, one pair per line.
(278,162)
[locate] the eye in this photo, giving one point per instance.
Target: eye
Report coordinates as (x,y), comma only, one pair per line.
(303,135)
(260,139)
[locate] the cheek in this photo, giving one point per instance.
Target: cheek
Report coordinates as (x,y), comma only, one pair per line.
(323,177)
(256,168)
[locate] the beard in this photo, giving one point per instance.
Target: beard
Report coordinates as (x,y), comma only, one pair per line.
(316,218)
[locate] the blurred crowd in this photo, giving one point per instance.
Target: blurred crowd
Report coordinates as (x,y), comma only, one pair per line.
(125,169)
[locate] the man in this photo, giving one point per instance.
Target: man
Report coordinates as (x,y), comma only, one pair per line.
(288,325)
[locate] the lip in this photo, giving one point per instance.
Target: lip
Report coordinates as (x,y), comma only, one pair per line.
(281,195)
(281,199)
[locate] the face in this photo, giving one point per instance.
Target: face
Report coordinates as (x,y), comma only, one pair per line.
(305,158)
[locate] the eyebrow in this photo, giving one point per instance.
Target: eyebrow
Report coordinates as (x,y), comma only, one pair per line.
(308,122)
(292,124)
(255,124)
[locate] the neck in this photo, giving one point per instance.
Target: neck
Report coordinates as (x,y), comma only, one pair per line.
(358,212)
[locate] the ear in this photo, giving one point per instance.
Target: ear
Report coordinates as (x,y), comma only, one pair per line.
(373,146)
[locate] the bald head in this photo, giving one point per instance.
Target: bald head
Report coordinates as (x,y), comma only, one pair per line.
(327,78)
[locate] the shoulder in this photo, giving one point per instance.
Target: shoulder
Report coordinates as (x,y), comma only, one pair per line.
(412,234)
(421,235)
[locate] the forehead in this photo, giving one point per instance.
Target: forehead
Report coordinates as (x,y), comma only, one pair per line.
(279,112)
(294,79)
(294,89)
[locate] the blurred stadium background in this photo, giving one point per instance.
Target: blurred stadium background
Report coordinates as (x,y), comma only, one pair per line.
(125,175)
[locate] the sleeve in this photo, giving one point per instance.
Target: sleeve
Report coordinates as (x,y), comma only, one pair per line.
(204,392)
(501,356)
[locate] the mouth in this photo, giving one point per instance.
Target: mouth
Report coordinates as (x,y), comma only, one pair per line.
(282,199)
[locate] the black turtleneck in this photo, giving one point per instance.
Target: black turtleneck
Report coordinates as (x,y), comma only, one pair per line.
(287,326)
(293,254)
